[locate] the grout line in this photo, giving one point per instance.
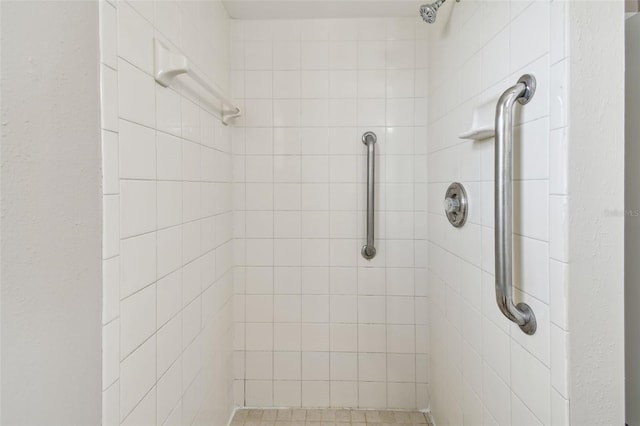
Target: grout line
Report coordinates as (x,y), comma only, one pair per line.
(273,245)
(244,240)
(329,234)
(155,313)
(299,234)
(382,184)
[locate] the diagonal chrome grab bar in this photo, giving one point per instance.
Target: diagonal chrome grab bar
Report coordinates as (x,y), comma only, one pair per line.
(521,313)
(369,139)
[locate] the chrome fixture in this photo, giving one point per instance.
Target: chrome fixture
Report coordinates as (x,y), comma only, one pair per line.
(521,313)
(430,11)
(369,139)
(455,204)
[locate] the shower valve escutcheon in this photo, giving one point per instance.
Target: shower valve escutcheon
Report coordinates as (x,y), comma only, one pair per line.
(455,204)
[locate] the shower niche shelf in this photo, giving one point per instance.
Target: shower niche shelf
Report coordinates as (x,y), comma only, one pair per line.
(482,122)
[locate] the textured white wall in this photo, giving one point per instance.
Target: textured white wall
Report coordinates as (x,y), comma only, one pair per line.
(167,248)
(595,219)
(51,293)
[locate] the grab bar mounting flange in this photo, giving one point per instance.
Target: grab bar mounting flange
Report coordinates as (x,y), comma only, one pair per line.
(529,88)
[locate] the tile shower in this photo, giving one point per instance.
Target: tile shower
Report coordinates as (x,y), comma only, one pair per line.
(168,240)
(316,324)
(232,267)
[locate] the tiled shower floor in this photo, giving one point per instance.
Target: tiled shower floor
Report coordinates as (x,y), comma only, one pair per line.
(327,417)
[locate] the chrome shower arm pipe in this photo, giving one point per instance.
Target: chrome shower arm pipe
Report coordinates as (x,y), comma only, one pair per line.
(369,139)
(436,5)
(521,313)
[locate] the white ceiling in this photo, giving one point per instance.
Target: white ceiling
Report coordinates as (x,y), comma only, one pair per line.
(321,9)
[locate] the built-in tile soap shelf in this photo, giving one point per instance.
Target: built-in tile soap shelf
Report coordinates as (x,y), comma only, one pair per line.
(482,122)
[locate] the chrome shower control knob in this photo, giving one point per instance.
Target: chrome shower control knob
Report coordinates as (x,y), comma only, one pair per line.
(451,205)
(455,204)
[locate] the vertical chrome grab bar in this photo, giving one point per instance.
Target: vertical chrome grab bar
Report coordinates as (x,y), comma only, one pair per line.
(369,139)
(521,313)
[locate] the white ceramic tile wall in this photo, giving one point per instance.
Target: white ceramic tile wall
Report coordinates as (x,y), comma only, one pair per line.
(483,368)
(168,276)
(317,325)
